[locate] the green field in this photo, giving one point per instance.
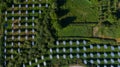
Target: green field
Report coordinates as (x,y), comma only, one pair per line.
(76,30)
(83,10)
(87,11)
(78,11)
(112,31)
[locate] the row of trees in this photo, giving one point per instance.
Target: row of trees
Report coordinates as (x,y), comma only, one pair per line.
(1,31)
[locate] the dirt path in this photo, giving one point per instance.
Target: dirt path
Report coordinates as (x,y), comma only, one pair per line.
(96,29)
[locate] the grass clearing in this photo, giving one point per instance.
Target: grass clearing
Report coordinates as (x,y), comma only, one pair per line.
(84,10)
(76,30)
(113,31)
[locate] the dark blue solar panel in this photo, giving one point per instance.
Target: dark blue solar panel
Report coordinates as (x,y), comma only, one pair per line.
(6,25)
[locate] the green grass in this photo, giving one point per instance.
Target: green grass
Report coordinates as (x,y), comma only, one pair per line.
(84,10)
(113,31)
(76,30)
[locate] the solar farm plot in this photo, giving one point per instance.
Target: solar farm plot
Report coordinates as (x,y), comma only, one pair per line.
(35,35)
(21,24)
(82,52)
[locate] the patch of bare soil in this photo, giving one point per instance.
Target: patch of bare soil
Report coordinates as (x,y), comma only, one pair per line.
(117,40)
(95,30)
(76,65)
